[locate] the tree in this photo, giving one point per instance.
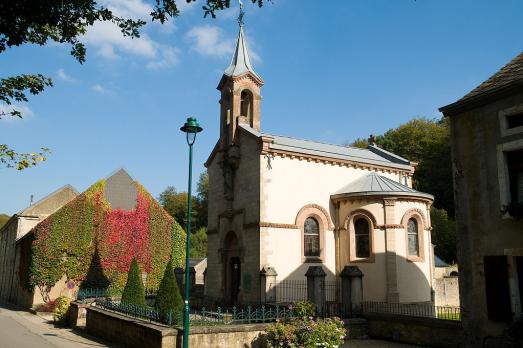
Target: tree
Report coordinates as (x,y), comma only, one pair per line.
(203,199)
(427,142)
(443,235)
(199,243)
(3,219)
(176,204)
(168,296)
(37,22)
(134,291)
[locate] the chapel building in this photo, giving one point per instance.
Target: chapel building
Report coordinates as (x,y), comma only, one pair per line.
(281,204)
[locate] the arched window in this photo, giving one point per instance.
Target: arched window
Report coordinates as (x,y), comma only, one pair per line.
(412,237)
(362,237)
(246,105)
(311,237)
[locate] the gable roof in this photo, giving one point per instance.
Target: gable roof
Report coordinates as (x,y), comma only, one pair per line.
(373,184)
(372,155)
(50,203)
(507,80)
(120,191)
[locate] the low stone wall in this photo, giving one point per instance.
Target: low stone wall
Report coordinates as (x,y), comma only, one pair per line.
(127,331)
(431,332)
(131,332)
(78,314)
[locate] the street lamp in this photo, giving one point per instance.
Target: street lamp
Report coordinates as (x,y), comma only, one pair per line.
(190,128)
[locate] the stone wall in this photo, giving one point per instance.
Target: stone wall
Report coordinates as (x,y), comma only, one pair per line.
(131,332)
(421,331)
(446,291)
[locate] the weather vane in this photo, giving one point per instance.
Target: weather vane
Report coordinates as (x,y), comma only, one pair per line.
(242,13)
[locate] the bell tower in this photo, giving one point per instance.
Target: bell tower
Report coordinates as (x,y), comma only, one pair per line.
(240,89)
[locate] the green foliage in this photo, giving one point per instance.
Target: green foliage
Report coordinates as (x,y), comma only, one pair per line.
(89,242)
(199,243)
(177,205)
(304,309)
(168,297)
(3,219)
(443,235)
(427,142)
(306,333)
(29,22)
(61,310)
(134,291)
(202,199)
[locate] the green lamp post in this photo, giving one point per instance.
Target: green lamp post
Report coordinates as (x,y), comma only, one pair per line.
(190,128)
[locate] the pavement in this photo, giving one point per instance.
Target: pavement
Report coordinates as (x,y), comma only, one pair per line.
(21,329)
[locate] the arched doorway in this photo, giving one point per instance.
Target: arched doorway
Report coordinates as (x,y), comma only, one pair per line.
(232,268)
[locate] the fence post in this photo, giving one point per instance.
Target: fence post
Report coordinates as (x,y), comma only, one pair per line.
(267,282)
(316,287)
(352,290)
(179,273)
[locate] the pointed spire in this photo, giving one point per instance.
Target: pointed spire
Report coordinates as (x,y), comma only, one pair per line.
(241,63)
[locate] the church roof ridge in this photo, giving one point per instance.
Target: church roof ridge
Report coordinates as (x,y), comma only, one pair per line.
(374,184)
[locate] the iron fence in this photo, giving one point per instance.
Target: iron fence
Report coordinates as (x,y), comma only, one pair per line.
(332,305)
(287,291)
(203,317)
(424,310)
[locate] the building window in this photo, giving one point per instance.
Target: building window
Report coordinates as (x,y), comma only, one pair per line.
(515,173)
(412,237)
(515,120)
(246,105)
(311,237)
(497,288)
(362,237)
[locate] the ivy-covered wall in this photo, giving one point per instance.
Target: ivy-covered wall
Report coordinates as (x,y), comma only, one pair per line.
(86,238)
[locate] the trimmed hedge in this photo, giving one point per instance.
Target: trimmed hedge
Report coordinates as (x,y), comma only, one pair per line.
(134,292)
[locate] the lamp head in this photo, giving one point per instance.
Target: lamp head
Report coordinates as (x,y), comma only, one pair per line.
(191,128)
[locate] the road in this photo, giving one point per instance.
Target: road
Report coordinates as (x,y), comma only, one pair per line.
(21,329)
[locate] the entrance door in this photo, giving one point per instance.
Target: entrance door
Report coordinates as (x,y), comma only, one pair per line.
(235,272)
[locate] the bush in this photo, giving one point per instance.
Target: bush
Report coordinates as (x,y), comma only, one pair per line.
(306,333)
(304,309)
(134,292)
(62,307)
(168,296)
(47,307)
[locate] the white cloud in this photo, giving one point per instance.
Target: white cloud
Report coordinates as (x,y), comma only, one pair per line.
(168,56)
(24,109)
(63,76)
(108,41)
(135,9)
(100,89)
(208,40)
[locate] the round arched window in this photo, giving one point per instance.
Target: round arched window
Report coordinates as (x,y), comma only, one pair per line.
(362,237)
(412,235)
(311,237)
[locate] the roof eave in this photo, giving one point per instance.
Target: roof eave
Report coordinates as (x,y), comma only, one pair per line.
(466,104)
(416,195)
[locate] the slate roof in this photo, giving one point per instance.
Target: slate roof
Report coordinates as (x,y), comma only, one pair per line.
(508,77)
(373,184)
(439,262)
(241,63)
(50,203)
(371,155)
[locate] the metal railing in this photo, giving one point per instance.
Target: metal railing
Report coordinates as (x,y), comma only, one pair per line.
(423,310)
(203,317)
(287,291)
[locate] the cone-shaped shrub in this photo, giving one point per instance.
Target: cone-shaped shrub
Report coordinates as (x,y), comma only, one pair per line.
(134,292)
(168,296)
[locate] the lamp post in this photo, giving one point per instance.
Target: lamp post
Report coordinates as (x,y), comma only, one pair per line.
(190,128)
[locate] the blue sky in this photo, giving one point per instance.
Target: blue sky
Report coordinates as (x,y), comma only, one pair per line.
(333,71)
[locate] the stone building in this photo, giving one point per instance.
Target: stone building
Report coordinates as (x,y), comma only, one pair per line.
(69,240)
(14,230)
(487,152)
(279,205)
